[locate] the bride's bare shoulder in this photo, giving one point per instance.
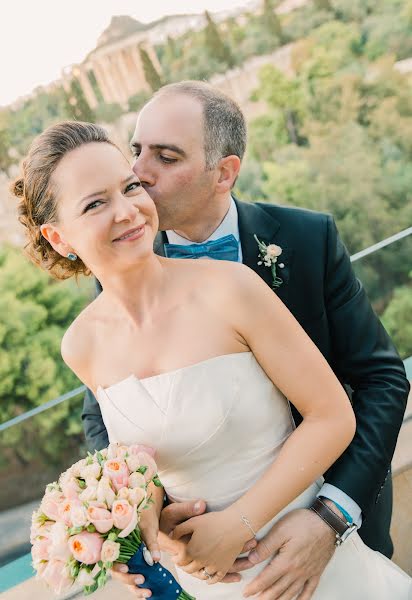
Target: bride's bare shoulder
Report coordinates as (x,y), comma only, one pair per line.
(79,339)
(220,277)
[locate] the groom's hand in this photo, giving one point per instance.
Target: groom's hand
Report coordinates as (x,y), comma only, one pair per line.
(301,545)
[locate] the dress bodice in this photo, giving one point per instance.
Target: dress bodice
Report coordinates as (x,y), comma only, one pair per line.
(217,426)
(222,416)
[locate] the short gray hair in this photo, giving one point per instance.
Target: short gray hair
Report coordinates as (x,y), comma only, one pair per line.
(224,124)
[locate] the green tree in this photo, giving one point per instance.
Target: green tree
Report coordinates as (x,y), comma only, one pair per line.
(34,313)
(108,113)
(5,141)
(323,5)
(137,101)
(76,103)
(284,95)
(271,22)
(215,44)
(397,319)
(152,76)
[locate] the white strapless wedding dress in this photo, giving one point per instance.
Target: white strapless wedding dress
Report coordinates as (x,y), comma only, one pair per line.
(217,425)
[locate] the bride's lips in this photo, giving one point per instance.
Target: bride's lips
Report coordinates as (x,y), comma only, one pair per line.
(131,234)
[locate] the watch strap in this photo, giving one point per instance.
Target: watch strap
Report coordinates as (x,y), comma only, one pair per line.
(339,526)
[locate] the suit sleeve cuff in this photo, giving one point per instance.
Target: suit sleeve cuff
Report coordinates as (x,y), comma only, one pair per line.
(336,495)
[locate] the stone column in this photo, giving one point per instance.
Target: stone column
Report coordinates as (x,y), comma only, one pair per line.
(142,83)
(86,86)
(107,82)
(125,74)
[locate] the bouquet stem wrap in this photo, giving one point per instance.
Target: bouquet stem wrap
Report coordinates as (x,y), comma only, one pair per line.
(157,578)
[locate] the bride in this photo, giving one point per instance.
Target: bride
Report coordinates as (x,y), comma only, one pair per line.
(194,358)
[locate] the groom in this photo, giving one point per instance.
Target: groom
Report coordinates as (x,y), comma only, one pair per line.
(183,138)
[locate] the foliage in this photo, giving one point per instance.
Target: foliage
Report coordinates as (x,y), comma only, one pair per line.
(349,149)
(137,101)
(271,22)
(108,113)
(152,76)
(215,45)
(397,319)
(76,103)
(35,311)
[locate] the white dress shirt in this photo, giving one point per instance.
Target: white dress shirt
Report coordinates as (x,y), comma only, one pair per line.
(228,226)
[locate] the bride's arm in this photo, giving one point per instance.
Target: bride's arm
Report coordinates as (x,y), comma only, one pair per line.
(298,369)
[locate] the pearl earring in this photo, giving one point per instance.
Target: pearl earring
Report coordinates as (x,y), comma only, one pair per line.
(72,256)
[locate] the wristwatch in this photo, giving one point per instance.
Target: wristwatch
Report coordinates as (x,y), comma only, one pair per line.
(342,528)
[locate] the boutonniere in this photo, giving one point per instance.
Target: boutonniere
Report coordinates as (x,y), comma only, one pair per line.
(269,257)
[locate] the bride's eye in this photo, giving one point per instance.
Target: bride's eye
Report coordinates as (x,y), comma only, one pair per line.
(92,205)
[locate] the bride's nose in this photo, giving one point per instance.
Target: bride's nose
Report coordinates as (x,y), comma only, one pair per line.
(125,209)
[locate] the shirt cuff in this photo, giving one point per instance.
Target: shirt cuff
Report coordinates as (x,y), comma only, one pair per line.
(336,495)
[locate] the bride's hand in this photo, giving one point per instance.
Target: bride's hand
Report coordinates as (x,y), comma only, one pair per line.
(216,541)
(149,528)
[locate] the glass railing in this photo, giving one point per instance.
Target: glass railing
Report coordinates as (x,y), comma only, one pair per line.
(35,447)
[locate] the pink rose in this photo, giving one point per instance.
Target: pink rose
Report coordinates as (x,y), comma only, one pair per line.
(59,538)
(118,473)
(101,518)
(57,576)
(146,460)
(136,448)
(70,488)
(122,513)
(86,547)
(40,550)
(110,551)
(40,530)
(51,503)
(65,511)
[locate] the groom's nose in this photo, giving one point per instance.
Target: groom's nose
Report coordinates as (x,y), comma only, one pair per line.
(144,171)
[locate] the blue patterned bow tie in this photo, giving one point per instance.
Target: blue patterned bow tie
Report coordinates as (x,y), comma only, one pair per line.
(225,248)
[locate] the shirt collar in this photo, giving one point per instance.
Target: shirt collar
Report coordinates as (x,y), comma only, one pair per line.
(228,226)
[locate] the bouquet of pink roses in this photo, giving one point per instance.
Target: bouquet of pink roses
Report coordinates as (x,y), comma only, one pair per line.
(89,519)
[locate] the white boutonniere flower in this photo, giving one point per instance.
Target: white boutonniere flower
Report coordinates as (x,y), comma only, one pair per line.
(269,256)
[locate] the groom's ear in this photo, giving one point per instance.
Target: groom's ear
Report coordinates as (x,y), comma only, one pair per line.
(228,170)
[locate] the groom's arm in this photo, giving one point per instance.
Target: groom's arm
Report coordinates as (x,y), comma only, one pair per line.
(365,358)
(94,429)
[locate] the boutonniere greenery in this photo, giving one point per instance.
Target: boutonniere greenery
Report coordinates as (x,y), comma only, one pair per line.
(268,255)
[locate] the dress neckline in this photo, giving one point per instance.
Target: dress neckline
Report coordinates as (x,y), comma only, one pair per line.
(174,371)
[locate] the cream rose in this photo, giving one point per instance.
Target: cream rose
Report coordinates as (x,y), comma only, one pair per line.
(105,492)
(110,551)
(273,250)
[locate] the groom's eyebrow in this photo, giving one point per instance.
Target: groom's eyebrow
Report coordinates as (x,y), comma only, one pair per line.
(171,147)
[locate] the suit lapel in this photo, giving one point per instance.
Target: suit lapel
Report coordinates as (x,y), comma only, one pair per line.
(254,220)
